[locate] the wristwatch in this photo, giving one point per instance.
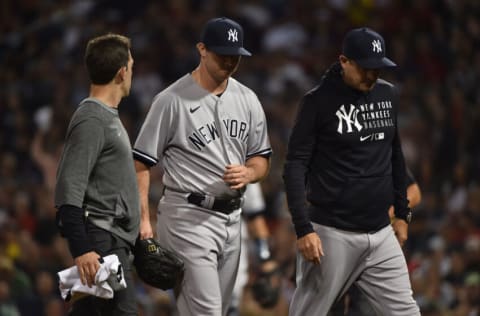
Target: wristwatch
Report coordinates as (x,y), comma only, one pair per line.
(407,216)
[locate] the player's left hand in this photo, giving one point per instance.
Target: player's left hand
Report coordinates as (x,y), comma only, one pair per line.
(146,230)
(400,227)
(237,176)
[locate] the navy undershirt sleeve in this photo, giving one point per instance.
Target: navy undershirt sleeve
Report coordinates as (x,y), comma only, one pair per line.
(71,223)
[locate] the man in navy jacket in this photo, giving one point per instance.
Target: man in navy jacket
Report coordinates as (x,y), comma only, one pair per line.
(344,169)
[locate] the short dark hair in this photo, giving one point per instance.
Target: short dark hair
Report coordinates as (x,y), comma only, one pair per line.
(105,55)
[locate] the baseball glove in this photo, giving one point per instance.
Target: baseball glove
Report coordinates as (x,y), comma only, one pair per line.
(266,287)
(157,266)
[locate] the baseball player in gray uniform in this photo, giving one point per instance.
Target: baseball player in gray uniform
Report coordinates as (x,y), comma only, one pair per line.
(210,134)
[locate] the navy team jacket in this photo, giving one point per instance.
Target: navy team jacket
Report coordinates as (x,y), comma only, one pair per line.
(344,165)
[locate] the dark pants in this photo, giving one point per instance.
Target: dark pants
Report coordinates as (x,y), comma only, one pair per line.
(124,301)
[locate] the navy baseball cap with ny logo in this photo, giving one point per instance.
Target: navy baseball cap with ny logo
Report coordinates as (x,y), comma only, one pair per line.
(224,36)
(367,48)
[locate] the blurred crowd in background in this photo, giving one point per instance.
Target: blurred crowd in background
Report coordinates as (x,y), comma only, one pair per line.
(42,79)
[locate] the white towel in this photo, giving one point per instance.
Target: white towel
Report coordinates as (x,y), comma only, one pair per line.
(109,278)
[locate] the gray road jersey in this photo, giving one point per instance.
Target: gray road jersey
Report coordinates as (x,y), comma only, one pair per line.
(195,134)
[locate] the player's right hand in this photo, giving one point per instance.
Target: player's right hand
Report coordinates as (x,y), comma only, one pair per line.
(310,246)
(400,227)
(88,265)
(237,176)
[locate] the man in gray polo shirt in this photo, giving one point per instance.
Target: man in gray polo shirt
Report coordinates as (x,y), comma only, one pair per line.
(96,191)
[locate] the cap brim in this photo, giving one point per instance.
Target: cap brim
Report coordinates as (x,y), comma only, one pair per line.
(376,63)
(230,51)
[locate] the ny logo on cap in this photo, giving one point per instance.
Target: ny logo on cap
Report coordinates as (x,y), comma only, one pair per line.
(377,46)
(232,35)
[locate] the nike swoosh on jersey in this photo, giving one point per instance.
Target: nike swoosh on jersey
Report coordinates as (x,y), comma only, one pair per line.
(194,109)
(362,139)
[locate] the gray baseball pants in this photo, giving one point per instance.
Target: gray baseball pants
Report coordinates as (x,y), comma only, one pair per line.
(375,262)
(209,243)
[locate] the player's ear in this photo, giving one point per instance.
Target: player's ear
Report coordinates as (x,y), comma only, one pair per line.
(202,49)
(121,73)
(342,59)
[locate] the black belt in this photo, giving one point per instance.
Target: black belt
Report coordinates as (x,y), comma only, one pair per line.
(225,206)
